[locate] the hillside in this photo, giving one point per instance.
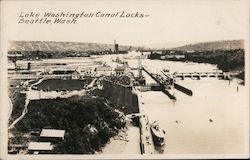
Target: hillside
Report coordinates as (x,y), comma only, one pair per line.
(217,45)
(60,46)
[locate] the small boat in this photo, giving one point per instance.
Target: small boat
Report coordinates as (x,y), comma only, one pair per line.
(166,70)
(157,134)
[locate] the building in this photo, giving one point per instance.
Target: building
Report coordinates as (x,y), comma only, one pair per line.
(190,51)
(52,133)
(40,147)
(163,57)
(179,56)
(88,70)
(75,75)
(14,56)
(119,70)
(103,70)
(174,56)
(122,70)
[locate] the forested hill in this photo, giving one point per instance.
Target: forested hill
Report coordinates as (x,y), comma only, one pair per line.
(217,45)
(60,46)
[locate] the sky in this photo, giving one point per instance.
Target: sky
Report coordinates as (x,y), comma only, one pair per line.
(169,22)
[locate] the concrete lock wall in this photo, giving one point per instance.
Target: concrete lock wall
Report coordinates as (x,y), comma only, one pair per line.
(119,94)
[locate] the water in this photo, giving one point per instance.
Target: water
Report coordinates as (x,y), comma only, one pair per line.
(213,121)
(187,121)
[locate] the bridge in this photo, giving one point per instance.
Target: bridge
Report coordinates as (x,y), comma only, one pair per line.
(199,75)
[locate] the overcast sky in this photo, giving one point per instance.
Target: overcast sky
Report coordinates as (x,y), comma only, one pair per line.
(169,22)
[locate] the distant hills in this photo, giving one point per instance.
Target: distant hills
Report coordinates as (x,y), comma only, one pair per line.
(217,45)
(61,46)
(51,46)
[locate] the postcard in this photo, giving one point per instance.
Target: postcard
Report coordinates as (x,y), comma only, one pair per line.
(124,79)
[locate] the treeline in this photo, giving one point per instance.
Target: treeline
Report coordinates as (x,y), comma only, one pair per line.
(123,79)
(88,122)
(225,60)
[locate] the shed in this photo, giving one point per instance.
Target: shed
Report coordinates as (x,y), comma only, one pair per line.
(52,133)
(40,146)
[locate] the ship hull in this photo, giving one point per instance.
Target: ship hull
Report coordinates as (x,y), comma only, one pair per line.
(158,141)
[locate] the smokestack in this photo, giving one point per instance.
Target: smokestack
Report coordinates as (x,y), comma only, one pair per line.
(116,47)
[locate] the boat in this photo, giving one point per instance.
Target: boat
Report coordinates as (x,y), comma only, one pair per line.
(166,70)
(157,134)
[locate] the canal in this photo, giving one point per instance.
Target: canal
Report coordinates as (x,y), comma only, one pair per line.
(212,121)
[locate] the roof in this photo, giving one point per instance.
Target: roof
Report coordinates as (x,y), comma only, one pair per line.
(15,55)
(52,133)
(100,67)
(42,146)
(87,68)
(119,68)
(65,71)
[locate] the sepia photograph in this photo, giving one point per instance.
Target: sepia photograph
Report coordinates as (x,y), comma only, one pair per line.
(115,79)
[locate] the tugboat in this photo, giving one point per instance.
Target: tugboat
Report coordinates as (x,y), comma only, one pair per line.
(157,134)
